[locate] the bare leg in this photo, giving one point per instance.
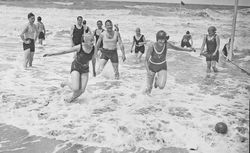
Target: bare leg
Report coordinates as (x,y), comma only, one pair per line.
(102,64)
(93,66)
(208,66)
(115,67)
(150,80)
(139,56)
(213,63)
(31,58)
(26,58)
(161,79)
(76,93)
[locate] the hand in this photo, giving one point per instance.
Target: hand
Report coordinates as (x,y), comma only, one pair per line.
(123,57)
(27,41)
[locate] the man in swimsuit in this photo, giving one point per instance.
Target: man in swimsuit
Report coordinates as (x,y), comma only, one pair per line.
(155,61)
(41,30)
(185,40)
(110,38)
(29,36)
(212,42)
(85,27)
(139,43)
(79,67)
(77,32)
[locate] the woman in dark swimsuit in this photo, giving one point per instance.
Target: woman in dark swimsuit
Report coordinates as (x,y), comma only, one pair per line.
(139,43)
(156,63)
(212,42)
(80,66)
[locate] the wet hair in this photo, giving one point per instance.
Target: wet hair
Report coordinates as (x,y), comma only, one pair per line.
(188,32)
(212,28)
(108,21)
(161,35)
(30,15)
(99,21)
(39,18)
(79,17)
(84,22)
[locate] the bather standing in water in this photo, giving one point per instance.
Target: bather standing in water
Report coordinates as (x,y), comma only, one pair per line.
(212,43)
(155,61)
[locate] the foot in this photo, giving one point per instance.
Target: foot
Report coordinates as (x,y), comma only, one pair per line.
(69,100)
(215,69)
(117,76)
(147,91)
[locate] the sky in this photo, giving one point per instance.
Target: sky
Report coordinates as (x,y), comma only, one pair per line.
(216,2)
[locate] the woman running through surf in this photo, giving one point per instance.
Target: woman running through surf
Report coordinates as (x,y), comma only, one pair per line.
(212,43)
(155,61)
(79,67)
(139,43)
(110,38)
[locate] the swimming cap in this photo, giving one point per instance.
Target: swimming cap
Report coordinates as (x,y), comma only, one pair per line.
(212,28)
(161,35)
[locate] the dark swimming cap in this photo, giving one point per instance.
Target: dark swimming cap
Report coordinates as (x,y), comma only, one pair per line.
(161,35)
(212,28)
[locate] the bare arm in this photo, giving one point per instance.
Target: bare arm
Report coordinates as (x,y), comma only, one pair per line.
(218,44)
(203,43)
(132,45)
(71,36)
(24,31)
(98,43)
(44,30)
(36,33)
(149,52)
(191,40)
(65,51)
(171,46)
(120,43)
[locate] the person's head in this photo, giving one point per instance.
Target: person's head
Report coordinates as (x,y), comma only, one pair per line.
(109,25)
(31,17)
(79,20)
(39,19)
(138,31)
(211,30)
(84,22)
(161,37)
(187,32)
(88,38)
(99,24)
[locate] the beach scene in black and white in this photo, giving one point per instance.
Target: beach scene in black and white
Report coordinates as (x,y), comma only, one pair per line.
(129,76)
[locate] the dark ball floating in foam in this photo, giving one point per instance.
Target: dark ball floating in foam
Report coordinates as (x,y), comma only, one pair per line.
(221,128)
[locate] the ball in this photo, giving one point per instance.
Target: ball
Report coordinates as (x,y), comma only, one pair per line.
(221,128)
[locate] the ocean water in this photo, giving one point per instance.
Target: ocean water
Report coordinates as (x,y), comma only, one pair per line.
(114,113)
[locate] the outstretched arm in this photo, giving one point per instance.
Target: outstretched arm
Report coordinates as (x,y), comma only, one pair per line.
(71,36)
(121,46)
(65,51)
(170,45)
